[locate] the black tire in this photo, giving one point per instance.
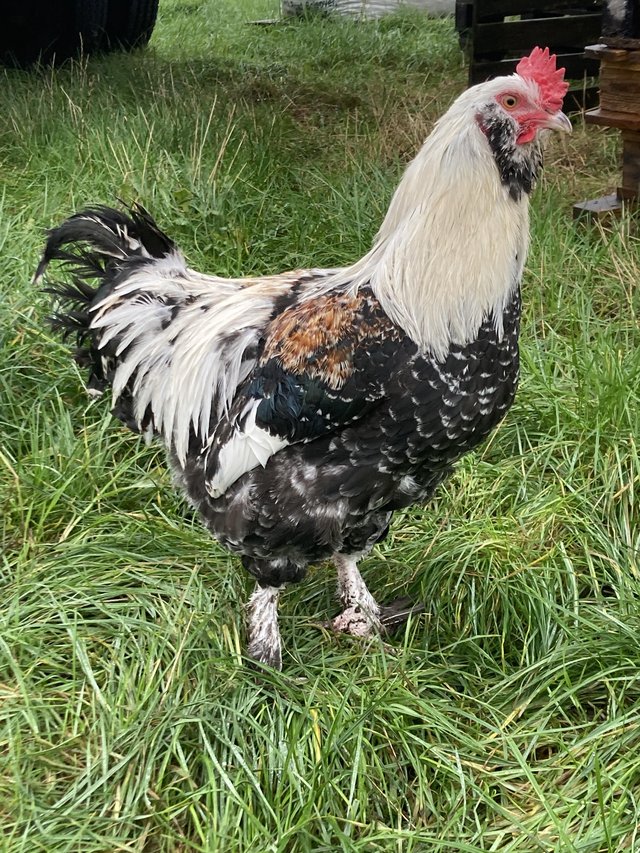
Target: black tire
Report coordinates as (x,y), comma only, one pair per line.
(84,32)
(42,31)
(130,23)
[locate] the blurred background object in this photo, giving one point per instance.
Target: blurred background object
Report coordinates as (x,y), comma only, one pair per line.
(366,8)
(42,31)
(619,55)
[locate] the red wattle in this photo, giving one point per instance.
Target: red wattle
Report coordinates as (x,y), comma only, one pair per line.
(526,135)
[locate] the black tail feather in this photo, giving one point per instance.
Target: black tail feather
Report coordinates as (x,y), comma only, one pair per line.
(104,235)
(103,241)
(93,249)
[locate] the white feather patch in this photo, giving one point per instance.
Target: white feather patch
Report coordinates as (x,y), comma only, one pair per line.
(453,244)
(189,339)
(248,447)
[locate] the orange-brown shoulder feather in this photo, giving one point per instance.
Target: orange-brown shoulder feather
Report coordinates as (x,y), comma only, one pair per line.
(318,336)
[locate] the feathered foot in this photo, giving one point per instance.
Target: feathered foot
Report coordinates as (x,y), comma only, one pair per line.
(357,622)
(363,616)
(265,645)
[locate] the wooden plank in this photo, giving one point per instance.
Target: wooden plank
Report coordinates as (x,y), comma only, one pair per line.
(567,31)
(508,8)
(614,58)
(626,76)
(624,121)
(601,51)
(626,195)
(620,96)
(463,19)
(630,163)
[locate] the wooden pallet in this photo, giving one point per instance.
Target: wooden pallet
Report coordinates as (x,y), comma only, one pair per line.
(619,108)
(495,34)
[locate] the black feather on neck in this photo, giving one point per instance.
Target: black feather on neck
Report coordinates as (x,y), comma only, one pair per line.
(518,165)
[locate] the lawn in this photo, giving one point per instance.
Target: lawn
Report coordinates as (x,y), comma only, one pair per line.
(507,717)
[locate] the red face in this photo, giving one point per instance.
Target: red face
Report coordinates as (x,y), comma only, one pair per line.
(530,116)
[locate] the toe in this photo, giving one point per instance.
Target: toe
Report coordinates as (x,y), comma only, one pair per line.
(356,622)
(397,612)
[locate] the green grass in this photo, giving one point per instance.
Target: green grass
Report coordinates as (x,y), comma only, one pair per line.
(507,718)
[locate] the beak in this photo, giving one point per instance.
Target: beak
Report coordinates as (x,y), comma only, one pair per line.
(559,121)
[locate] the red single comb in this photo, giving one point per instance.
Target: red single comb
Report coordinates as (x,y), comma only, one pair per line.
(540,67)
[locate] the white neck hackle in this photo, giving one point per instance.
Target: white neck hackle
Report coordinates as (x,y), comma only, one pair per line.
(453,243)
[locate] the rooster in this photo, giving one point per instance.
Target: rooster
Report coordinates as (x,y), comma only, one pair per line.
(300,410)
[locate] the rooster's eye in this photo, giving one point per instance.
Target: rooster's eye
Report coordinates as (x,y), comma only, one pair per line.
(509,102)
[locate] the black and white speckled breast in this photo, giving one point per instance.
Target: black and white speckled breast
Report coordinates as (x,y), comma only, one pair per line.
(435,411)
(474,387)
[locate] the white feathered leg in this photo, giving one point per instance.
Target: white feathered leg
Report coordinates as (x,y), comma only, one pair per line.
(265,645)
(361,616)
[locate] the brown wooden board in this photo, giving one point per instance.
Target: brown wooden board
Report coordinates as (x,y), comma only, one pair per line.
(631,163)
(620,90)
(616,57)
(623,121)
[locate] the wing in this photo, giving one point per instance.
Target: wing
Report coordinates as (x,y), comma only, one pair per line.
(324,365)
(180,344)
